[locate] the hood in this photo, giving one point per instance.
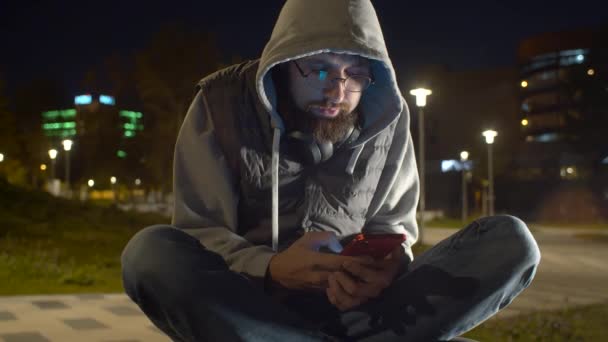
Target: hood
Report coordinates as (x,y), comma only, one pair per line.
(309,27)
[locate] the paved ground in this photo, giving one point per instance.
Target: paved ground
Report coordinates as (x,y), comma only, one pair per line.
(572,272)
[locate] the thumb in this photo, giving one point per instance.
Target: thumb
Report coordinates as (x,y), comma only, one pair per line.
(319,240)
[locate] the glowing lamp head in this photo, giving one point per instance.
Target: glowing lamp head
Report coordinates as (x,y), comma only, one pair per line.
(67,144)
(421,95)
(490,135)
(1,157)
(91,183)
(464,155)
(53,153)
(113,180)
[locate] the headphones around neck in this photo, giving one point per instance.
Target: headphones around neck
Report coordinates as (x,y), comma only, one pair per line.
(305,148)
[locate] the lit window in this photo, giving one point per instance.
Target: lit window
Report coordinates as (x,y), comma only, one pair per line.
(83,100)
(106,99)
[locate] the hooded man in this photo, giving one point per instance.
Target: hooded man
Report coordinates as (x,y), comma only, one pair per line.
(281,159)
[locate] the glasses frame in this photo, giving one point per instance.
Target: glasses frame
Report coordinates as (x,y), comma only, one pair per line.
(342,80)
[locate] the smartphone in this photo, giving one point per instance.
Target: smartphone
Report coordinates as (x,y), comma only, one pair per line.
(377,246)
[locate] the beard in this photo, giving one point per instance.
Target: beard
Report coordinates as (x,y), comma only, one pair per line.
(322,129)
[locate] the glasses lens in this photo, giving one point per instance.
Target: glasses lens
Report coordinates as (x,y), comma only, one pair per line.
(357,83)
(320,79)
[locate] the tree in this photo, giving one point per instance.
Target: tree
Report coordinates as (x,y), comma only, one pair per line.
(31,100)
(11,167)
(167,71)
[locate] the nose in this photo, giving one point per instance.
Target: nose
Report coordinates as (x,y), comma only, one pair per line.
(335,91)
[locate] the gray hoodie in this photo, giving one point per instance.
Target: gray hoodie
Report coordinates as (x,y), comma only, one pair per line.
(235,191)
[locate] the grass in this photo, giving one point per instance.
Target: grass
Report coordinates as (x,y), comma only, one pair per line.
(50,245)
(585,323)
(573,225)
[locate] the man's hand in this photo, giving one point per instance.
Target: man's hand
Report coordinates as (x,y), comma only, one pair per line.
(302,266)
(359,282)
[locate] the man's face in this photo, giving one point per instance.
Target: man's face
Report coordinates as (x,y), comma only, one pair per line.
(333,100)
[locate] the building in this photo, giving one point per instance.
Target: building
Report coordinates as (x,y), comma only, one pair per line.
(563,105)
(103,137)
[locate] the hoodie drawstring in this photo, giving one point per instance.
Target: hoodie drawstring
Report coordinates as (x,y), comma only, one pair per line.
(350,168)
(275,188)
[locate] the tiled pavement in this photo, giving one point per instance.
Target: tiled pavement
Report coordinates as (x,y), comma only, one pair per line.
(78,318)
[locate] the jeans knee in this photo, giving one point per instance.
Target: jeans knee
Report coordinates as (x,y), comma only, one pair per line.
(519,243)
(143,253)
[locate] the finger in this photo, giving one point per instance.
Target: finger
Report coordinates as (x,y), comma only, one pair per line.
(343,300)
(355,288)
(364,272)
(347,282)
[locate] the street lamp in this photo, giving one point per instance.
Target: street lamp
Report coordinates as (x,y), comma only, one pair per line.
(1,157)
(464,156)
(490,135)
(113,182)
(67,146)
(53,156)
(421,95)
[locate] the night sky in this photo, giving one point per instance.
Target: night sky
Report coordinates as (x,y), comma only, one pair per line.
(63,39)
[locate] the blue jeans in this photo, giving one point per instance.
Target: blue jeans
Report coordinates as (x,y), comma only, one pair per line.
(189,292)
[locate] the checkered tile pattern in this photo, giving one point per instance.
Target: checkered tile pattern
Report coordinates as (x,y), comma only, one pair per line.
(78,318)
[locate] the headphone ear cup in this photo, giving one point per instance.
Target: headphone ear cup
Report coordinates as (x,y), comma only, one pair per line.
(326,150)
(304,148)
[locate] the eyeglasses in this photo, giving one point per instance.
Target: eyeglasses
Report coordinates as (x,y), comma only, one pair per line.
(319,79)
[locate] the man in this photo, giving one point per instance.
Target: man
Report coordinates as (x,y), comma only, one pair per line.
(280,160)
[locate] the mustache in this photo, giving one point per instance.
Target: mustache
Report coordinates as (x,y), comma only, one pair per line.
(343,106)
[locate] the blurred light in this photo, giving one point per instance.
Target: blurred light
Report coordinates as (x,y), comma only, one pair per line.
(53,114)
(455,165)
(83,99)
(464,155)
(605,161)
(91,183)
(138,181)
(1,157)
(53,153)
(42,167)
(106,99)
(489,134)
(121,154)
(421,95)
(547,137)
(580,58)
(524,84)
(590,72)
(524,122)
(130,114)
(59,125)
(113,180)
(569,170)
(129,134)
(67,144)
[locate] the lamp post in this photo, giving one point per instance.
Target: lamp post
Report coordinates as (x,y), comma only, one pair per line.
(53,156)
(421,94)
(113,182)
(490,135)
(67,146)
(464,156)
